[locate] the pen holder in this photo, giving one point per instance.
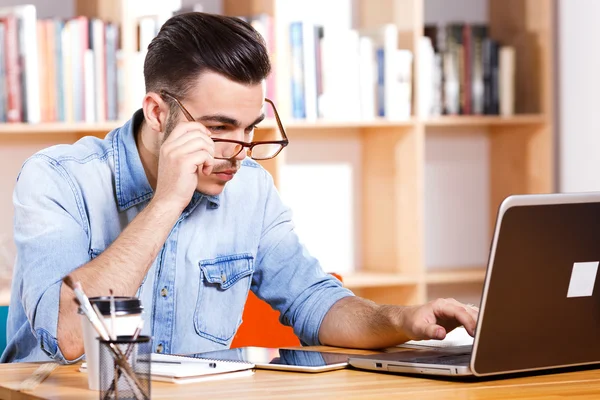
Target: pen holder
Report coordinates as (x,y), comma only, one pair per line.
(126,377)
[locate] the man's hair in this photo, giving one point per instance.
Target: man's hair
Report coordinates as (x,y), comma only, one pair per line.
(192,43)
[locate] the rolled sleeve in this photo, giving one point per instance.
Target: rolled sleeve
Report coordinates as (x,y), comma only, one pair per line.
(288,277)
(52,240)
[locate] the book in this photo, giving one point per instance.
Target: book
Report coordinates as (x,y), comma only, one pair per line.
(187,369)
(506,80)
(22,63)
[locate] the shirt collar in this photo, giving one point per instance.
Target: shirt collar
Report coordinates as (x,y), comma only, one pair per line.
(131,182)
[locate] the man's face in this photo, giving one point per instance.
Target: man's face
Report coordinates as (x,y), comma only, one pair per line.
(229,110)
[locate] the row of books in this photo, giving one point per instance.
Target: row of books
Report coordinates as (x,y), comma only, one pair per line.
(53,70)
(73,71)
(342,74)
(465,72)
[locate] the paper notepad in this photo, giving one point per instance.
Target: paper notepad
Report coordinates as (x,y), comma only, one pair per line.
(181,369)
(458,337)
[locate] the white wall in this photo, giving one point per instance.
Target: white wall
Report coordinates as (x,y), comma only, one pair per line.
(579,91)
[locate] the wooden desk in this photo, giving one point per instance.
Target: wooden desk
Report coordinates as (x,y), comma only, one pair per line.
(67,383)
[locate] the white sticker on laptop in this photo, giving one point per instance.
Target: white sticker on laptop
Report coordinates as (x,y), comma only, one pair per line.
(583,279)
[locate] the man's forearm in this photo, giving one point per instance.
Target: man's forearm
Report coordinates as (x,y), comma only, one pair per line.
(358,323)
(121,267)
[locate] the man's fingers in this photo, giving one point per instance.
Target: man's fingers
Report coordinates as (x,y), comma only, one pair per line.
(192,140)
(434,331)
(200,160)
(208,165)
(185,127)
(471,309)
(450,310)
(193,145)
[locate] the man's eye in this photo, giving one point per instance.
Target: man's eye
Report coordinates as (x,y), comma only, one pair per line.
(250,129)
(219,128)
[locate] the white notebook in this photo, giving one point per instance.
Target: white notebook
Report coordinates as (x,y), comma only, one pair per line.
(457,337)
(181,369)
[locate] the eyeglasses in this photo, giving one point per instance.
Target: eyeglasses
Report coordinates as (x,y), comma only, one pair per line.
(228,149)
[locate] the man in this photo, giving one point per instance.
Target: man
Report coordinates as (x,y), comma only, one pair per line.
(170,208)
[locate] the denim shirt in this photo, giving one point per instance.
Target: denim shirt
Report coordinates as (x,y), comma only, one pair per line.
(72,201)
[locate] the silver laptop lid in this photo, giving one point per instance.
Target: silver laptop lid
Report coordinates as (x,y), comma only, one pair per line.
(541,301)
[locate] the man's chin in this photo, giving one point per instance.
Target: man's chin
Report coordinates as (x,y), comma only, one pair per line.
(212,188)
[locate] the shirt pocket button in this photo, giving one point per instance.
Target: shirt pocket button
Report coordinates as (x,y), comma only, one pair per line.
(223,278)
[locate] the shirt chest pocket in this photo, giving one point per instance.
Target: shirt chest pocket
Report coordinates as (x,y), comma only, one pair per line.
(224,285)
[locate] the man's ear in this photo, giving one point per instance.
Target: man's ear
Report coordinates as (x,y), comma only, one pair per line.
(155,112)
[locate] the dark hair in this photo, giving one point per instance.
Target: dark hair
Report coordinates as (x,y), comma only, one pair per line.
(192,43)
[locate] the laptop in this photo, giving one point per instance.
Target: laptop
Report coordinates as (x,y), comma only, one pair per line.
(540,306)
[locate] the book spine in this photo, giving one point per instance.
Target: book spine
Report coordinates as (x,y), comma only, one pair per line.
(494,95)
(451,74)
(506,80)
(29,58)
(297,75)
(67,71)
(319,34)
(13,72)
(43,78)
(111,71)
(3,90)
(309,69)
(479,34)
(90,97)
(467,73)
(380,59)
(59,77)
(98,41)
(50,71)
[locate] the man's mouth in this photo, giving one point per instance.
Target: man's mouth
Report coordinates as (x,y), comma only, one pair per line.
(225,175)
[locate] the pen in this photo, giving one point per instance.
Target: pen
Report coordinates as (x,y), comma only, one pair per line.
(112,315)
(210,365)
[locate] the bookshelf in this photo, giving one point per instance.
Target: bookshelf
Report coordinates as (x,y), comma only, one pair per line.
(392,266)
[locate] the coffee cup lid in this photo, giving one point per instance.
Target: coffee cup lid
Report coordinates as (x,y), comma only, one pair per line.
(123,305)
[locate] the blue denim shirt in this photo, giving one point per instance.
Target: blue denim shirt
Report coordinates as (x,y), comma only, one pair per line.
(72,201)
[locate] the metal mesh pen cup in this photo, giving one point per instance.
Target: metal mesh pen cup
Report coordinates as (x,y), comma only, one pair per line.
(125,368)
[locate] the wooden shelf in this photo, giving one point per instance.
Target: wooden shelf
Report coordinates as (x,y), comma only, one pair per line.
(486,120)
(334,124)
(455,275)
(57,127)
(445,121)
(373,279)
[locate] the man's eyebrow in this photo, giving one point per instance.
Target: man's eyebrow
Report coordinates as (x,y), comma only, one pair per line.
(223,119)
(220,118)
(258,120)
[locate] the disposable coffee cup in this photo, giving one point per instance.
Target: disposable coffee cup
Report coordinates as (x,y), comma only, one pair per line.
(128,314)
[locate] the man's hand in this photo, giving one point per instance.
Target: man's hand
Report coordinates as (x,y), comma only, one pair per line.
(436,318)
(359,323)
(187,150)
